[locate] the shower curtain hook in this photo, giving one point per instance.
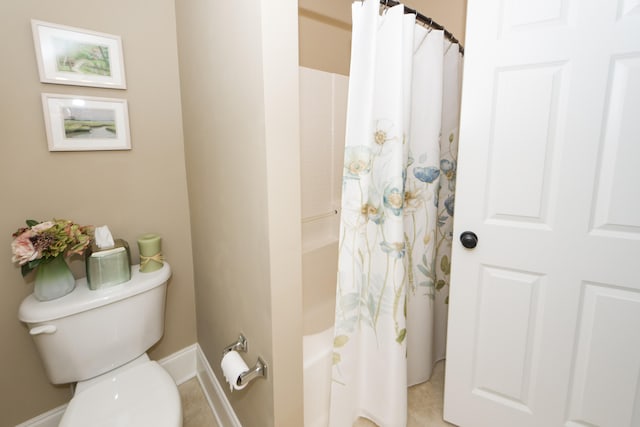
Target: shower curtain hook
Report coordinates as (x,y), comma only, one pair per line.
(384,6)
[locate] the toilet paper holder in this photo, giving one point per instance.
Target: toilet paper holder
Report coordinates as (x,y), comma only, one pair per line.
(240,345)
(258,370)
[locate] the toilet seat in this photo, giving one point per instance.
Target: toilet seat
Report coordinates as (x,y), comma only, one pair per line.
(144,395)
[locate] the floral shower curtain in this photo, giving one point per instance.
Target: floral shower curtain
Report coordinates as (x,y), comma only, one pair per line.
(395,231)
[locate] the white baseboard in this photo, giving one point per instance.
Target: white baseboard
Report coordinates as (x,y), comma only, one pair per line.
(182,366)
(48,419)
(222,409)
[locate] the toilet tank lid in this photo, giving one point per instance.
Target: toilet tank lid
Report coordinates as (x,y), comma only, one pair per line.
(83,299)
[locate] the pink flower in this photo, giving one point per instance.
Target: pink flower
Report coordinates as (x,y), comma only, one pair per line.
(23,250)
(42,226)
(39,242)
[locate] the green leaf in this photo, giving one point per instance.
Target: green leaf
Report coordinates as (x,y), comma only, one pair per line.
(348,324)
(25,269)
(372,306)
(336,358)
(31,265)
(349,301)
(340,340)
(32,222)
(423,269)
(401,335)
(445,266)
(426,284)
(440,284)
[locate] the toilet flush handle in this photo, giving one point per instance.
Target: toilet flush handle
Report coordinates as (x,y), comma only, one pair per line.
(44,329)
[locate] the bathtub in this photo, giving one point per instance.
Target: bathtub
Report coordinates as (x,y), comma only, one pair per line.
(319,267)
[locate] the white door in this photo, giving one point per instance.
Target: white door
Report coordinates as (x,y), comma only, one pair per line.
(544,323)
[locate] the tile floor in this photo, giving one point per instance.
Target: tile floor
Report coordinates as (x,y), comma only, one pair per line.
(196,411)
(425,404)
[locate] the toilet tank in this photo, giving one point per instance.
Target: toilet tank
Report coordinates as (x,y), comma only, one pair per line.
(89,332)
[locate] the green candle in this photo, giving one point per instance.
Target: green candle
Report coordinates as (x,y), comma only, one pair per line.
(150,252)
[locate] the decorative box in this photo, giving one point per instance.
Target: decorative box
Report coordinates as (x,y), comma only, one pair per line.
(108,267)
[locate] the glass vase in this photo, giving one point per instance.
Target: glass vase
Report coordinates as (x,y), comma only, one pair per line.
(53,280)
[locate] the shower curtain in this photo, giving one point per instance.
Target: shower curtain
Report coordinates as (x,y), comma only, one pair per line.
(397,208)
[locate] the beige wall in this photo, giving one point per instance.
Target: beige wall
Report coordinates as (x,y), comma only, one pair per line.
(239,81)
(450,13)
(135,191)
(325,29)
(325,41)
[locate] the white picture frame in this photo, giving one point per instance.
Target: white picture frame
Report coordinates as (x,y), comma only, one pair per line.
(85,123)
(75,56)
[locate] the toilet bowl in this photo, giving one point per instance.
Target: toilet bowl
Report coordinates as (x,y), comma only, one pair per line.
(98,339)
(140,395)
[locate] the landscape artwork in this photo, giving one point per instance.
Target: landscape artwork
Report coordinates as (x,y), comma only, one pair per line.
(81,123)
(77,56)
(89,123)
(73,57)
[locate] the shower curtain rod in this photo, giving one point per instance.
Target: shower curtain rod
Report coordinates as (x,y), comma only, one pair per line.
(426,21)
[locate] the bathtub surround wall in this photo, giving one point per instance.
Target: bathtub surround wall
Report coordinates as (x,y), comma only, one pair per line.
(323,103)
(319,268)
(239,84)
(323,109)
(137,191)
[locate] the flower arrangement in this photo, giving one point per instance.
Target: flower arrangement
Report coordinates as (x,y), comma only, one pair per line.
(41,242)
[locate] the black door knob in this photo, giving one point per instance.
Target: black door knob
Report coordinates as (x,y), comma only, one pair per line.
(469,239)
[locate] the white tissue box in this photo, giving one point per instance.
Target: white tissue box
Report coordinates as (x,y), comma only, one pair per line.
(108,267)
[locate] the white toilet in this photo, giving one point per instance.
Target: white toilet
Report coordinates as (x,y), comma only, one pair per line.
(99,339)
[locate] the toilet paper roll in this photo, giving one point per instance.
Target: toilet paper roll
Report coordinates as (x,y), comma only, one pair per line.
(232,366)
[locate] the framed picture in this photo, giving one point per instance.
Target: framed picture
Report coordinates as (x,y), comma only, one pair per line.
(73,56)
(80,123)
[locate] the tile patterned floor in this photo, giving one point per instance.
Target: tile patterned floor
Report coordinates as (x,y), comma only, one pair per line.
(425,404)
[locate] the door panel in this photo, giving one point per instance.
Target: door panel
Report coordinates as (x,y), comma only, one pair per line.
(506,338)
(616,212)
(604,389)
(527,155)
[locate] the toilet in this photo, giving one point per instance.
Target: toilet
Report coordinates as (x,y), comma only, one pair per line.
(98,339)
